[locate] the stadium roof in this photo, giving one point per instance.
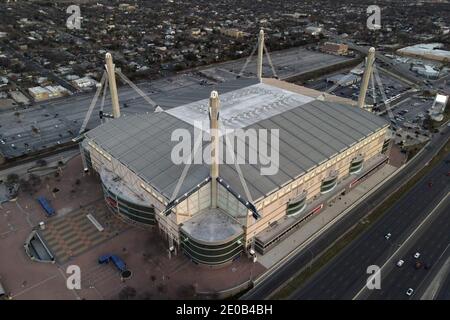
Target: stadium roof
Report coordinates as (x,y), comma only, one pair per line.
(212,226)
(310,132)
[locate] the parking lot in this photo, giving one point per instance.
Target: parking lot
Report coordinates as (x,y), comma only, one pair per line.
(412,110)
(407,120)
(392,87)
(50,123)
(288,63)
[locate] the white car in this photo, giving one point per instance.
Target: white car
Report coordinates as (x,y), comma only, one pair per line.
(409,292)
(400,263)
(387,236)
(417,255)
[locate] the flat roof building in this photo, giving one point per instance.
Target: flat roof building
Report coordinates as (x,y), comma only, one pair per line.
(334,48)
(429,51)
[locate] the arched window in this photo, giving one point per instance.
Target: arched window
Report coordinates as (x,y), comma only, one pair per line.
(356,165)
(329,183)
(296,205)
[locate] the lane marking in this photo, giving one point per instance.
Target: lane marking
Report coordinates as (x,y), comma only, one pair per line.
(389,260)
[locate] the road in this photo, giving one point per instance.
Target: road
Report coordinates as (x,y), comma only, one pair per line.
(23,169)
(346,275)
(400,69)
(444,293)
(266,287)
(432,241)
(288,63)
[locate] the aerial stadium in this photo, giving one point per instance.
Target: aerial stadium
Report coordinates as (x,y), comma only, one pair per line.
(216,212)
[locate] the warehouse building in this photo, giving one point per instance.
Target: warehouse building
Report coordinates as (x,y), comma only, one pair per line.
(334,48)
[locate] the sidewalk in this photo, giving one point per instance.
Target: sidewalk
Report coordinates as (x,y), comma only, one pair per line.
(315,224)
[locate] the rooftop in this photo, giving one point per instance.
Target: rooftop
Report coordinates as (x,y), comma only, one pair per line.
(310,132)
(212,226)
(117,186)
(242,107)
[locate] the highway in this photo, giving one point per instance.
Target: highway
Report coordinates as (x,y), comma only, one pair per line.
(300,260)
(444,293)
(432,241)
(346,275)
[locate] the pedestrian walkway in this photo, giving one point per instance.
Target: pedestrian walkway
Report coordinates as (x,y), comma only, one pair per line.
(74,233)
(311,227)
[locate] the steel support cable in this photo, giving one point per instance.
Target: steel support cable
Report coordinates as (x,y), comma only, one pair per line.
(136,88)
(93,103)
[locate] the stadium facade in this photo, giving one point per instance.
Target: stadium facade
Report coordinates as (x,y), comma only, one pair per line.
(325,148)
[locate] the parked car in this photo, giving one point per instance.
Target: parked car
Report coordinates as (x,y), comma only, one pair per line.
(417,255)
(387,236)
(400,263)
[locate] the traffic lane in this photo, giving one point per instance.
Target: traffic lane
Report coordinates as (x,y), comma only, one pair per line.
(444,292)
(287,270)
(299,261)
(369,250)
(346,274)
(431,243)
(435,281)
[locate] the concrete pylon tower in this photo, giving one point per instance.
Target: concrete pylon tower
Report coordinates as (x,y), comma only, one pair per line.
(214,133)
(260,55)
(366,77)
(110,68)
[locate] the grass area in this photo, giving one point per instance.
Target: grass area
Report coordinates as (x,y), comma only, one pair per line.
(357,229)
